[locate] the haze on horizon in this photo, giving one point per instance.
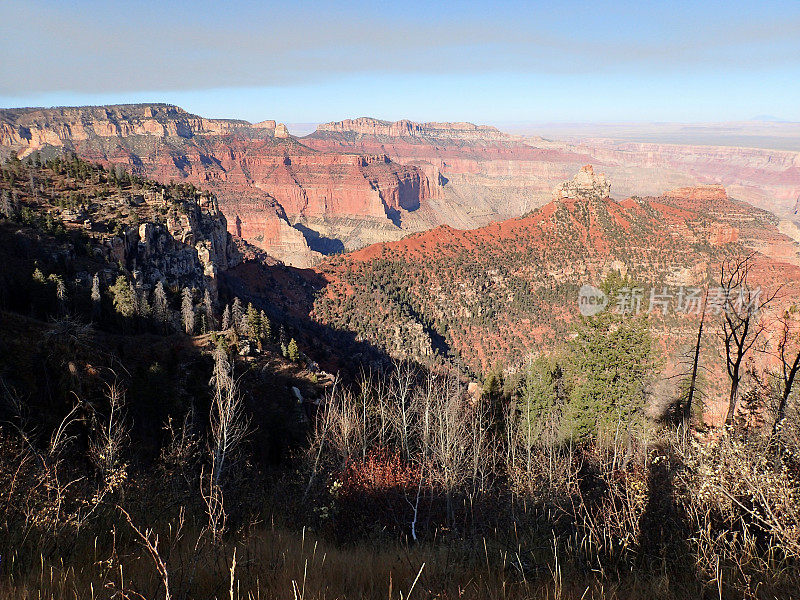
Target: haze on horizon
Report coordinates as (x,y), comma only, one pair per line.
(511,62)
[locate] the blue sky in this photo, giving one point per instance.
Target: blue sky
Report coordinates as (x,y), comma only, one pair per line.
(478,61)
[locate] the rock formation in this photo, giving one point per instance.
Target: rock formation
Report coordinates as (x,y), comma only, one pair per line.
(189,249)
(701,193)
(253,168)
(359,181)
(446,131)
(585,185)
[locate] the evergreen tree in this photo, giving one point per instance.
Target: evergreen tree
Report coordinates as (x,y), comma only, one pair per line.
(266,327)
(208,311)
(253,322)
(137,309)
(187,311)
(226,318)
(611,360)
(122,297)
(539,397)
(145,310)
(237,315)
(292,351)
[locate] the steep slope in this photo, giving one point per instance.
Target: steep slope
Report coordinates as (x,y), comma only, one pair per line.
(502,291)
(488,175)
(266,181)
(84,243)
(482,174)
(90,221)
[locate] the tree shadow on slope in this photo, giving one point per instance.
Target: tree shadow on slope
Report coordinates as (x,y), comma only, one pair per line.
(286,295)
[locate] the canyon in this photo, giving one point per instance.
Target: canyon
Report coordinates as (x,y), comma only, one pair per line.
(502,292)
(356,182)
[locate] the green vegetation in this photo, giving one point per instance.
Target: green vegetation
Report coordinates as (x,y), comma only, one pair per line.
(138,460)
(610,365)
(469,299)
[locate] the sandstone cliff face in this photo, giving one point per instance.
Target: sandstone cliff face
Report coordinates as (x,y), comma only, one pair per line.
(477,174)
(31,129)
(343,185)
(404,128)
(263,223)
(264,178)
(364,180)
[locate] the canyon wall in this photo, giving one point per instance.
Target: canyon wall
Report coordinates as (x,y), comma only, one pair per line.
(360,181)
(266,181)
(769,179)
(478,174)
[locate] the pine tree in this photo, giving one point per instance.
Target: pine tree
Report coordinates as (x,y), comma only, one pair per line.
(226,318)
(145,310)
(611,360)
(266,327)
(539,397)
(187,311)
(237,314)
(293,352)
(123,300)
(137,309)
(253,322)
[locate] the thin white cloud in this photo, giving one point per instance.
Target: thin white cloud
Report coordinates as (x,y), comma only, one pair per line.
(108,47)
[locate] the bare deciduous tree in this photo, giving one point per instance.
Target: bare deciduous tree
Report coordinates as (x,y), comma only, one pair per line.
(229,427)
(187,311)
(788,355)
(742,323)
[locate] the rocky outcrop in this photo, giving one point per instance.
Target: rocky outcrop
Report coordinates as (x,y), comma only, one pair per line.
(367,179)
(476,174)
(585,185)
(28,130)
(190,249)
(766,178)
(288,244)
(342,185)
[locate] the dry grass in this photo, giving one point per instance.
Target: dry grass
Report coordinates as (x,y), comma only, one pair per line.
(495,515)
